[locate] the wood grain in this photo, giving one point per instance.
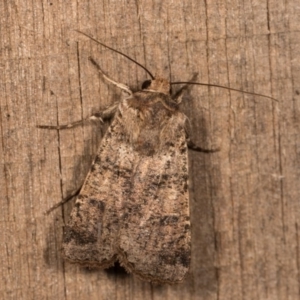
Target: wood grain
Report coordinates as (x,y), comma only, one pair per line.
(244,199)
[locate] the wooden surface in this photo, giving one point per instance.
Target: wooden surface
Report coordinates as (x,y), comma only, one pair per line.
(244,199)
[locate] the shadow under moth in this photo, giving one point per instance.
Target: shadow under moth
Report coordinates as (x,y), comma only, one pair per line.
(134,204)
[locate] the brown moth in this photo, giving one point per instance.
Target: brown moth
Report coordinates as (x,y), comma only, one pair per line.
(134,204)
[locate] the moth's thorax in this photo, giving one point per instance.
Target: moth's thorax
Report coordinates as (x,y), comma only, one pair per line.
(160,85)
(148,102)
(151,121)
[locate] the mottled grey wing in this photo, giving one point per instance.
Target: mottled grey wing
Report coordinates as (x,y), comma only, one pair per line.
(91,235)
(155,232)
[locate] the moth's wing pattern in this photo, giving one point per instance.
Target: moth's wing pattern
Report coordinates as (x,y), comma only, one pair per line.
(91,235)
(155,232)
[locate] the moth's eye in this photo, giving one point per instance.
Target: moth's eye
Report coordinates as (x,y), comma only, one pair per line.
(146,84)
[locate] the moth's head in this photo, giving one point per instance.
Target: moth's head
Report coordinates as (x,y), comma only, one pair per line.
(159,85)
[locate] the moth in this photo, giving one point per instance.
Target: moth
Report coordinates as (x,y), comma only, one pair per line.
(134,204)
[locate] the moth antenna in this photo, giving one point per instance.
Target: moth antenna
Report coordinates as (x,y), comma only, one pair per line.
(114,50)
(224,87)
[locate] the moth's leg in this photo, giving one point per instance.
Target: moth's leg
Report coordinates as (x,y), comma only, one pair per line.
(106,114)
(177,97)
(194,147)
(117,84)
(62,202)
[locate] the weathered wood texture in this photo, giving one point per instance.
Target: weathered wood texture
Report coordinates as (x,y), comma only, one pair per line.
(244,199)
